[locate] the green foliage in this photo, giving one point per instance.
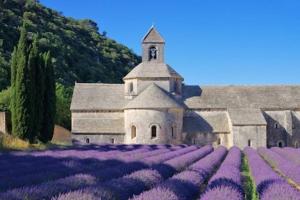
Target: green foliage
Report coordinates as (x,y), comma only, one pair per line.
(33,91)
(4,100)
(22,122)
(63,103)
(249,184)
(80,53)
(49,101)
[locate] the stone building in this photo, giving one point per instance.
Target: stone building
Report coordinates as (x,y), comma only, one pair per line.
(3,122)
(155,106)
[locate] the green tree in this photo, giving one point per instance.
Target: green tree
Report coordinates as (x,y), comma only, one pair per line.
(49,101)
(22,104)
(63,102)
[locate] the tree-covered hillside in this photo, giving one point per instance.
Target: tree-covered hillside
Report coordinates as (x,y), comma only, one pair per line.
(80,52)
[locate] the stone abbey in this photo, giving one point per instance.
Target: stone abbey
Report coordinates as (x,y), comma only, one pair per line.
(154,106)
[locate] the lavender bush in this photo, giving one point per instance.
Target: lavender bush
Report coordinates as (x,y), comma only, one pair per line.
(124,164)
(268,183)
(74,182)
(186,185)
(227,180)
(285,166)
(135,183)
(290,153)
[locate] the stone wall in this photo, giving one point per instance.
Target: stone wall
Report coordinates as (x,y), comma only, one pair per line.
(143,120)
(279,128)
(97,122)
(296,129)
(243,135)
(3,122)
(98,138)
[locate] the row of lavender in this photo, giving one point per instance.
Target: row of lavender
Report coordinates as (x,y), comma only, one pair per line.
(269,184)
(142,172)
(37,172)
(90,175)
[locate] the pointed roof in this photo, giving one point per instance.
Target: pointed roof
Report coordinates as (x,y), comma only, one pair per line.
(153,36)
(153,97)
(152,70)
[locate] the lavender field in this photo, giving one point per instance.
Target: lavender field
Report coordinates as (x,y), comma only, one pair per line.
(151,172)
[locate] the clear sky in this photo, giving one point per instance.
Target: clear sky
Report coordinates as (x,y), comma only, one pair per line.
(207,41)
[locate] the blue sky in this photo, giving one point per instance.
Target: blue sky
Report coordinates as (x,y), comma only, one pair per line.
(207,41)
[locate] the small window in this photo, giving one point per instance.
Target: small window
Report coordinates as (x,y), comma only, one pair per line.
(219,141)
(112,140)
(153,131)
(280,144)
(177,87)
(293,126)
(130,87)
(173,132)
(87,140)
(296,145)
(249,143)
(133,132)
(276,126)
(194,141)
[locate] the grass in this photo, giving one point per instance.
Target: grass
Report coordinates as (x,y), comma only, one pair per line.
(248,182)
(8,142)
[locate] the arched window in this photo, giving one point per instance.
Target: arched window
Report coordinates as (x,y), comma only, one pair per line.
(112,140)
(219,141)
(173,131)
(133,132)
(153,131)
(276,126)
(280,144)
(152,53)
(87,140)
(249,143)
(130,88)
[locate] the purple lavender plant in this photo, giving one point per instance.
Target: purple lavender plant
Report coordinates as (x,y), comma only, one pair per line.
(186,185)
(269,184)
(227,179)
(74,182)
(285,166)
(134,183)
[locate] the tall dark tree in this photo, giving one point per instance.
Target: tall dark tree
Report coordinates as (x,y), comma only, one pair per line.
(13,72)
(49,100)
(22,123)
(22,103)
(33,66)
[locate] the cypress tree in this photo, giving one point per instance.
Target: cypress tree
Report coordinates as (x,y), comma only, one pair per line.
(40,95)
(33,102)
(49,100)
(12,80)
(32,83)
(21,107)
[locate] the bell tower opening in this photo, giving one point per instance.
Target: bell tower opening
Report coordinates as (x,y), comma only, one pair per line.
(153,47)
(152,53)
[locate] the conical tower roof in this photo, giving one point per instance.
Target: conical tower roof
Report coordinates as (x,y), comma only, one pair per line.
(153,97)
(153,36)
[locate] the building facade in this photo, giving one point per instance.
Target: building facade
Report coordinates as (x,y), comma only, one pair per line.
(4,122)
(154,106)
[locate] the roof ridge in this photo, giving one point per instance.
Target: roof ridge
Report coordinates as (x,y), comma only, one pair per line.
(103,84)
(153,97)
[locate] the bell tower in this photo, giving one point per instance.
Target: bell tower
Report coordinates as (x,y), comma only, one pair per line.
(153,47)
